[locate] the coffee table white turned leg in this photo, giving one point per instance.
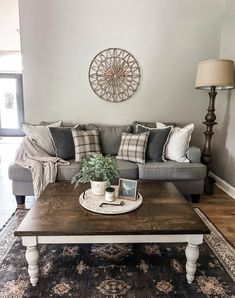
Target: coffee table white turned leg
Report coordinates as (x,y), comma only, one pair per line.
(32,257)
(192,255)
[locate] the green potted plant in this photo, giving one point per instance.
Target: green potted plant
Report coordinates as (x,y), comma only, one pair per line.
(97,169)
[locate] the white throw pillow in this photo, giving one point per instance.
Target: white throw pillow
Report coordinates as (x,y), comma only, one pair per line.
(178,142)
(41,134)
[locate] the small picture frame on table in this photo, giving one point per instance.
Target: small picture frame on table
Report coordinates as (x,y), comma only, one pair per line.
(127,189)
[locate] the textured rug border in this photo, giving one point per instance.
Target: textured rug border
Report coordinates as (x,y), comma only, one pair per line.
(8,221)
(219,244)
(7,238)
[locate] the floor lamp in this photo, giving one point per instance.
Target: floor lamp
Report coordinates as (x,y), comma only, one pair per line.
(212,75)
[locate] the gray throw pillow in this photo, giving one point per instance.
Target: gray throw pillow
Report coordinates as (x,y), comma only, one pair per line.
(63,141)
(156,141)
(110,136)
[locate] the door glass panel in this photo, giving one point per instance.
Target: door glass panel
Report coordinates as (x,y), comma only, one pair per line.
(8,104)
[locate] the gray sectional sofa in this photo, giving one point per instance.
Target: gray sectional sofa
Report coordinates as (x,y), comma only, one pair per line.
(187,177)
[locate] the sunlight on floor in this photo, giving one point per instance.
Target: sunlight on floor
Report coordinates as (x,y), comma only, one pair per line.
(8,147)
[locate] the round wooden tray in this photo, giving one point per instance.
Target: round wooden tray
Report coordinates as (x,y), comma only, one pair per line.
(93,203)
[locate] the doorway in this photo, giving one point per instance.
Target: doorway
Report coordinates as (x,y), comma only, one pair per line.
(11,104)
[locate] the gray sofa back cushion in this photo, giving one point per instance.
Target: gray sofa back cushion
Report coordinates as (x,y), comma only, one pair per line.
(110,136)
(63,141)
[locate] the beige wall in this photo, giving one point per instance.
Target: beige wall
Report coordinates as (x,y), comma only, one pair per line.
(224,139)
(168,38)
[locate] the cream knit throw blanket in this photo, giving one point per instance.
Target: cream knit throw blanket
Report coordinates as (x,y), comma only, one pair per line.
(42,166)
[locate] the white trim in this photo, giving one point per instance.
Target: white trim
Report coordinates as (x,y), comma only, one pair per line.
(29,241)
(222,184)
(33,240)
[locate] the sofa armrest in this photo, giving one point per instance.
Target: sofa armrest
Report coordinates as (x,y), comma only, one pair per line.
(194,154)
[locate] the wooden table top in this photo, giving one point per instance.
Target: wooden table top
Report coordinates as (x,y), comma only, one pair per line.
(164,211)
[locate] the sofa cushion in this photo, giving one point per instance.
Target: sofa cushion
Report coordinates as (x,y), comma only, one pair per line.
(171,170)
(63,142)
(133,147)
(110,136)
(156,141)
(66,172)
(126,169)
(85,142)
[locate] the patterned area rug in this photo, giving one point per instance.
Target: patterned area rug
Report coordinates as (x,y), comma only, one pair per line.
(116,270)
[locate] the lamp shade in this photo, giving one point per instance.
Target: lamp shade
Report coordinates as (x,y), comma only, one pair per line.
(218,73)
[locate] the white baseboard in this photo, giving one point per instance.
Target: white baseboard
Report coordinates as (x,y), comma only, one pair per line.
(225,186)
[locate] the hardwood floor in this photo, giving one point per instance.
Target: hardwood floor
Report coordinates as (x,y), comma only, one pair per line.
(8,147)
(219,208)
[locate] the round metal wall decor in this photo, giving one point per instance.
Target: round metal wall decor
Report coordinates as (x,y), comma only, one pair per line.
(114,75)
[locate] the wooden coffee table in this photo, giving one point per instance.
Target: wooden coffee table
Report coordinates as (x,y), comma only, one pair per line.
(164,216)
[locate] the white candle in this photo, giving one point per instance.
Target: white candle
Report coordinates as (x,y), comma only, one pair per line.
(110,194)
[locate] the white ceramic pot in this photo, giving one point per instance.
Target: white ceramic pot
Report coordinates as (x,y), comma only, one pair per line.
(98,187)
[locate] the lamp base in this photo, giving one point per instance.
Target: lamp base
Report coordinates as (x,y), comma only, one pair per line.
(207,153)
(208,186)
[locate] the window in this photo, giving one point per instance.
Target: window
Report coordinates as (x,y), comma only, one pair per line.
(11,94)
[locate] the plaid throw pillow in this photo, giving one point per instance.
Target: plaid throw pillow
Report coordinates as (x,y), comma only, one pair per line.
(133,147)
(85,142)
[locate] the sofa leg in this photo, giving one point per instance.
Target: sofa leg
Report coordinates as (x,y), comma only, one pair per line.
(20,199)
(195,198)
